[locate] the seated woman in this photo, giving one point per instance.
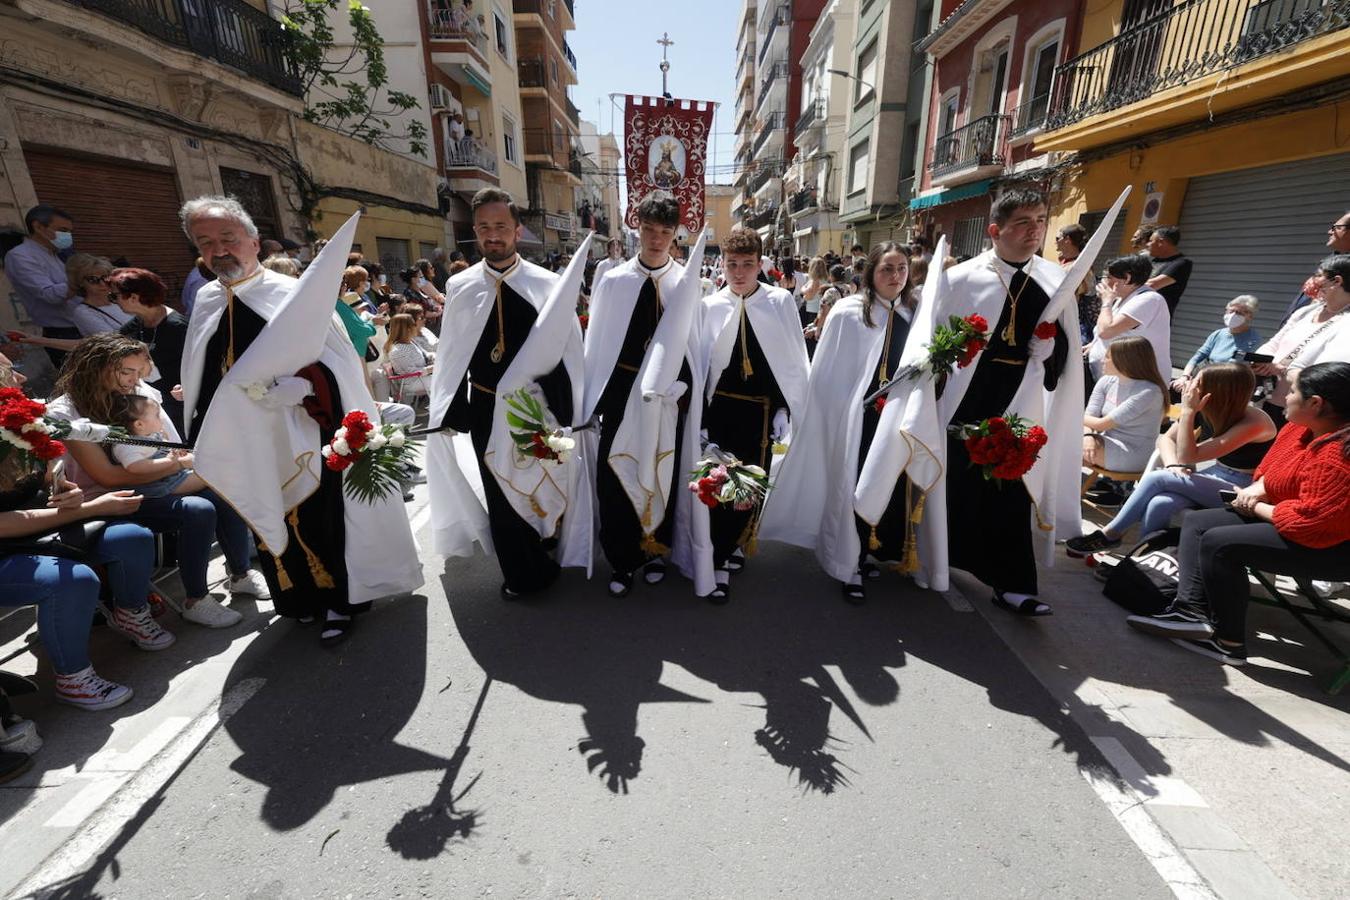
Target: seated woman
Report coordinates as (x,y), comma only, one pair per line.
(63,586)
(407,359)
(1230,343)
(1293,520)
(1126,408)
(96,373)
(1217,423)
(422,337)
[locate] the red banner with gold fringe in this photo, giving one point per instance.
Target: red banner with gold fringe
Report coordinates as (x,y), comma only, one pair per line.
(666,149)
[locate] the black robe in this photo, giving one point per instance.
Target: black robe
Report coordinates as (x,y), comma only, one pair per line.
(890,530)
(621,532)
(739,419)
(523,556)
(314,563)
(989,521)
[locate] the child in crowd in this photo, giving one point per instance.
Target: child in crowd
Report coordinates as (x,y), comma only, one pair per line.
(140,416)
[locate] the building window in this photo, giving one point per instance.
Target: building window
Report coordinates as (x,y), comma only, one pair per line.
(502,32)
(857,169)
(552,13)
(553,69)
(948,111)
(509,140)
(969,237)
(1039,77)
(864,86)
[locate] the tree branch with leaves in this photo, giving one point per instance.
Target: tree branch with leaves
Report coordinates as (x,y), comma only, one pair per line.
(347,86)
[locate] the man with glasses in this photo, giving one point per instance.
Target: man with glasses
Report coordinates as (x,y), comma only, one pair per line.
(38,274)
(1338,241)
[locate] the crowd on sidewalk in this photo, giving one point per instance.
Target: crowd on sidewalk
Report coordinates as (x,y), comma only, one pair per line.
(1246,450)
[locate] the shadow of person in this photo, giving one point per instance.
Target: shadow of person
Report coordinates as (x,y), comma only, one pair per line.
(576,646)
(318,724)
(425,832)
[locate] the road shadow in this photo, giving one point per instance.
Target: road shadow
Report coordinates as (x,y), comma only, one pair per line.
(327,719)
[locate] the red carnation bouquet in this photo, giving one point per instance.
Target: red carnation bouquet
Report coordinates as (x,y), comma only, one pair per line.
(954,346)
(25,429)
(1005,447)
(534,430)
(723,480)
(375,458)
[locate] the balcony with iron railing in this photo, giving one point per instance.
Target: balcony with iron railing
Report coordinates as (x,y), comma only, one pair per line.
(765,171)
(812,115)
(573,114)
(469,153)
(531,72)
(803,201)
(781,16)
(973,148)
(1030,116)
(1188,52)
(765,215)
(228,31)
(777,72)
(571,57)
(771,123)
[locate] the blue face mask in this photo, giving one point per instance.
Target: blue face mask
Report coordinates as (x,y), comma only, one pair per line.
(63,240)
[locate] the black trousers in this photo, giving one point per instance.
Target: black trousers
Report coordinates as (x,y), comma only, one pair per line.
(989,525)
(58,357)
(1217,546)
(524,559)
(620,527)
(737,424)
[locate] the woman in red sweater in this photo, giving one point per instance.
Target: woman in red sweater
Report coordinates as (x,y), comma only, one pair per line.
(1294,519)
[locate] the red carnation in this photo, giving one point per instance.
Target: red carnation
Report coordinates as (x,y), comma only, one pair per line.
(978,323)
(1046,331)
(49,450)
(881,403)
(1037,436)
(337,463)
(11,393)
(356,419)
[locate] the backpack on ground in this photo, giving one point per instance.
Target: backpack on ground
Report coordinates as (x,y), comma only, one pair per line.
(1145,581)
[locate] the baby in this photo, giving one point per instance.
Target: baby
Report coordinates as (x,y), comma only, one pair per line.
(141,417)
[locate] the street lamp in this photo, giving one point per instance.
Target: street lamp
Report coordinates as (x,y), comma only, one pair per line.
(849,75)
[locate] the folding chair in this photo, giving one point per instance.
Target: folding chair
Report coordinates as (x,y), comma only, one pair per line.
(1316,608)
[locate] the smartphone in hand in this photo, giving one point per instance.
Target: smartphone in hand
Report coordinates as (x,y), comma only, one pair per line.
(1227,496)
(1260,358)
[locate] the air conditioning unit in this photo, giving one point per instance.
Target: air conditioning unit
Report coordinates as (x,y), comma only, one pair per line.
(440,97)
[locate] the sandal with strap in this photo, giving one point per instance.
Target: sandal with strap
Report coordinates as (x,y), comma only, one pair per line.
(620,583)
(655,571)
(854,594)
(335,631)
(736,561)
(1027,606)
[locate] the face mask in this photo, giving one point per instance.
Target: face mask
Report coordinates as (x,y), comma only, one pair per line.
(1234,320)
(63,240)
(384,279)
(365,287)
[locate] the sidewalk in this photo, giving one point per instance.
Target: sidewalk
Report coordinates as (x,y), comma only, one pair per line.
(1246,769)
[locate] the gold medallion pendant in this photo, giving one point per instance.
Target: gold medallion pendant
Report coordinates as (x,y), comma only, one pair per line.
(496,354)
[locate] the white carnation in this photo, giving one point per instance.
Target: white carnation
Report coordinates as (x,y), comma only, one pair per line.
(396,439)
(340,447)
(559,444)
(376,441)
(327,451)
(256,391)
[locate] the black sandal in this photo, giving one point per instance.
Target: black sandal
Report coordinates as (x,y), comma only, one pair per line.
(1029,607)
(655,571)
(620,583)
(870,570)
(735,562)
(854,594)
(335,631)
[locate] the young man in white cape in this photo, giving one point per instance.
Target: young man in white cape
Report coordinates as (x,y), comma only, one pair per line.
(811,504)
(994,529)
(751,343)
(490,336)
(628,306)
(259,430)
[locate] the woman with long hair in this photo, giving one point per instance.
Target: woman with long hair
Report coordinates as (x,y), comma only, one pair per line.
(141,293)
(1217,425)
(49,543)
(1127,405)
(408,363)
(1294,519)
(95,376)
(817,282)
(811,504)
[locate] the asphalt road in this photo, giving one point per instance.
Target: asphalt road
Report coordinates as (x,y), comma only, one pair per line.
(785,745)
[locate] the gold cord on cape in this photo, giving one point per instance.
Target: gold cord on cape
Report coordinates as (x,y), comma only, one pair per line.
(1010,332)
(227,362)
(746,369)
(316,569)
(882,374)
(499,351)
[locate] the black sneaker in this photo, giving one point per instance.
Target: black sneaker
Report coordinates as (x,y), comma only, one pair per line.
(1089,544)
(1229,656)
(1106,497)
(1175,621)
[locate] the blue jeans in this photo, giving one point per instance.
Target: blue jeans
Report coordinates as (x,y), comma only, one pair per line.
(66,592)
(198,519)
(1163,493)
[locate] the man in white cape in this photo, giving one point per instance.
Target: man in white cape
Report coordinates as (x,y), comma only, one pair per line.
(751,343)
(508,325)
(640,365)
(263,391)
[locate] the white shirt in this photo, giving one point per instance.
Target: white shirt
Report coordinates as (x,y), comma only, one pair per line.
(1149,309)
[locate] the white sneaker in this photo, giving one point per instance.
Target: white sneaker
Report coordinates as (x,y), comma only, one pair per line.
(251,583)
(208,611)
(139,627)
(88,690)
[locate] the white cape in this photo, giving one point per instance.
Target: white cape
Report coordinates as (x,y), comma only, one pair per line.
(265,479)
(811,504)
(773,315)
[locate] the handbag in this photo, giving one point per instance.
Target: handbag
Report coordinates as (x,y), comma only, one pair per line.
(74,541)
(1145,581)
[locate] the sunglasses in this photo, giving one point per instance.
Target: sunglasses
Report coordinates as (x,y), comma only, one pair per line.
(95,279)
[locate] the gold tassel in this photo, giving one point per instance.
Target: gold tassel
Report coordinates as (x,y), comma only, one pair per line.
(652,547)
(749,539)
(316,569)
(746,369)
(909,562)
(647,515)
(536,508)
(873,542)
(283,577)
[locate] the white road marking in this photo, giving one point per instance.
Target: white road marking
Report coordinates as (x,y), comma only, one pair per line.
(1160,789)
(75,854)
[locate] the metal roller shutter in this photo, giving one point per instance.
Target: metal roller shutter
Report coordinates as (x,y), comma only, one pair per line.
(120,210)
(1255,231)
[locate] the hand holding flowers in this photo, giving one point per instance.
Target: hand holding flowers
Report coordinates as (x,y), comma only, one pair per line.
(534,430)
(373,457)
(1005,447)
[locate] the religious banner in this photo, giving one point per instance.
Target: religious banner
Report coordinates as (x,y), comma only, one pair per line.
(666,146)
